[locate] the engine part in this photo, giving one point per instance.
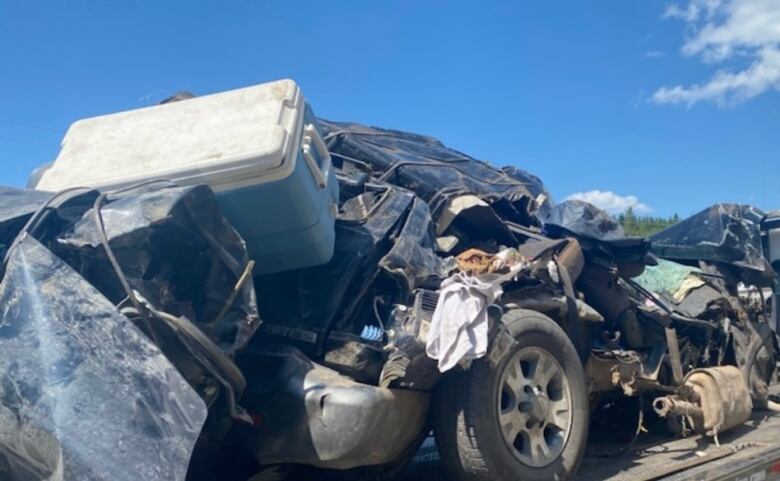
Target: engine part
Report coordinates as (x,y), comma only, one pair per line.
(631,329)
(408,365)
(353,356)
(610,370)
(675,362)
(713,400)
(572,258)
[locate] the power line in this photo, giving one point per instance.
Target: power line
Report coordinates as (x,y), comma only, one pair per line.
(30,126)
(30,142)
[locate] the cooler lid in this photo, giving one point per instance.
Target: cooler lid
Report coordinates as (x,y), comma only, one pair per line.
(214,139)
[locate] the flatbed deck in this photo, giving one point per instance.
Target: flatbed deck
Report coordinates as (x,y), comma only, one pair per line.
(744,449)
(748,453)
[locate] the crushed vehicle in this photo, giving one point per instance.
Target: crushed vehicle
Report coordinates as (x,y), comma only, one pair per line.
(226,287)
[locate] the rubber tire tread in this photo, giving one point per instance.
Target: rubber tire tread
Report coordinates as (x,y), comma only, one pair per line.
(465,438)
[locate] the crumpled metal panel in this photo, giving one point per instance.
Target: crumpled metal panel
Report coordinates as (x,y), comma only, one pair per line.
(84,396)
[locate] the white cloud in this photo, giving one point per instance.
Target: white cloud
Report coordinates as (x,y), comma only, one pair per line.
(723,30)
(611,202)
(695,10)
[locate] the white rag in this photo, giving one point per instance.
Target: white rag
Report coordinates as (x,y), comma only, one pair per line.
(459,328)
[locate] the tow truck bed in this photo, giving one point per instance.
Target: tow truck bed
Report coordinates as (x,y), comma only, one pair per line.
(748,453)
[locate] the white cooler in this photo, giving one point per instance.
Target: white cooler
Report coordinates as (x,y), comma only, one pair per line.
(259,148)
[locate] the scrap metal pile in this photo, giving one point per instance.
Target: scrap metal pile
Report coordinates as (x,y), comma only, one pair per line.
(134,335)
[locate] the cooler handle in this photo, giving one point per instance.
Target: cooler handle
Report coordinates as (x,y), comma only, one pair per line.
(320,172)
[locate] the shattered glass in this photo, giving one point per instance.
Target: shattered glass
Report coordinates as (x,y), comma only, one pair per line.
(665,278)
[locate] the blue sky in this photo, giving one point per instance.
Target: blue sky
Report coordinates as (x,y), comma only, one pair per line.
(580,93)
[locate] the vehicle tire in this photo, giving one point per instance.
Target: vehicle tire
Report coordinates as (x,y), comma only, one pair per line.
(519,413)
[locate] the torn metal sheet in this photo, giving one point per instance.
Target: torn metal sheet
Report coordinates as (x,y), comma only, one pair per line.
(473,221)
(533,183)
(699,299)
(454,208)
(84,395)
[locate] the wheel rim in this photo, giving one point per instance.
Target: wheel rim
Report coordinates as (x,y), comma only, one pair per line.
(535,407)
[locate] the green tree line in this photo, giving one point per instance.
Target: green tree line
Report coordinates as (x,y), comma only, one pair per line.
(644,226)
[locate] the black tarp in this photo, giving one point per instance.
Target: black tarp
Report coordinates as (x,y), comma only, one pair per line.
(583,219)
(177,250)
(430,169)
(16,207)
(182,261)
(84,395)
(598,233)
(724,233)
(20,203)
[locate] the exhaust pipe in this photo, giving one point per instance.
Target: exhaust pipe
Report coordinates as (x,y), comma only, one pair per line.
(714,400)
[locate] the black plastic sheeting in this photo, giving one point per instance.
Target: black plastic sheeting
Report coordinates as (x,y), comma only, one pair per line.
(725,233)
(177,250)
(84,395)
(598,233)
(16,207)
(20,203)
(584,220)
(437,173)
(431,170)
(182,260)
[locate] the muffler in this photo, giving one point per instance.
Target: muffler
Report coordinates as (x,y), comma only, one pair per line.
(713,400)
